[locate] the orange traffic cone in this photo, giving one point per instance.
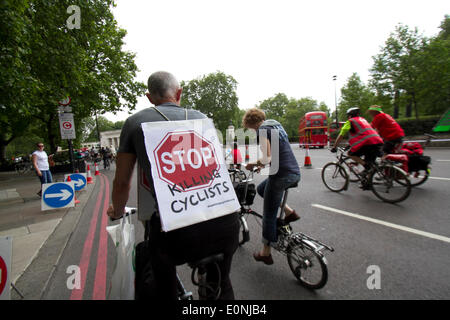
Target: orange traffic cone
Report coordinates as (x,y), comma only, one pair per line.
(89,177)
(96,169)
(308,163)
(74,193)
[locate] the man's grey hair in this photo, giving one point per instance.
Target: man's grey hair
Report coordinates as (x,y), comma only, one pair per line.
(162,85)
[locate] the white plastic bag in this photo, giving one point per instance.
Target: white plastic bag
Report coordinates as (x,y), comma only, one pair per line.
(122,282)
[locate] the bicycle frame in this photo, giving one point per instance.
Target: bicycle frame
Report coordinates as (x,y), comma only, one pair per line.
(298,238)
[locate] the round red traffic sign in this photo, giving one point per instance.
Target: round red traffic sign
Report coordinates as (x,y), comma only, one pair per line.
(65,102)
(67,125)
(3,275)
(186,161)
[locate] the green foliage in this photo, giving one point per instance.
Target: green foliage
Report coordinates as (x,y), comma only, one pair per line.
(214,95)
(355,94)
(275,107)
(411,74)
(103,125)
(289,111)
(43,61)
(413,126)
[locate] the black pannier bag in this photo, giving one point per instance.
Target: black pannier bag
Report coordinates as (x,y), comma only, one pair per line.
(239,188)
(417,162)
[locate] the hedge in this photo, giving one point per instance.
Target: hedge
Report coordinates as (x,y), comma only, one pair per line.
(413,126)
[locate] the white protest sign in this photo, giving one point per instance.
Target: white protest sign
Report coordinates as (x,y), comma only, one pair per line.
(5,267)
(190,176)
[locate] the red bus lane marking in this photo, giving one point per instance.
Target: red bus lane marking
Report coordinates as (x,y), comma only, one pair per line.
(77,294)
(100,272)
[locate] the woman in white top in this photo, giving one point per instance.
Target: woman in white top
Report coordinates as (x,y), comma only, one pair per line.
(41,165)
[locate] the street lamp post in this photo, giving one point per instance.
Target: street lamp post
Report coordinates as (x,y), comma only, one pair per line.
(335,100)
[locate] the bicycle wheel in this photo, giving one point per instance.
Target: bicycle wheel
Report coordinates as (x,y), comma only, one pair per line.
(390,184)
(418,177)
(20,168)
(335,177)
(308,266)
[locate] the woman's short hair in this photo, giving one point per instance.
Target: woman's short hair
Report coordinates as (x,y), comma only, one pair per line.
(253,116)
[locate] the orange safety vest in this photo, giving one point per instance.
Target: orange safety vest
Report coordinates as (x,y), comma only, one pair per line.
(363,134)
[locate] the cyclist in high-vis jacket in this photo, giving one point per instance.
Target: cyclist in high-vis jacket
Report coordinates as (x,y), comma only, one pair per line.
(363,139)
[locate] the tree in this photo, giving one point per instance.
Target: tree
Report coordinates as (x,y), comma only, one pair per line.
(434,73)
(295,110)
(289,111)
(395,69)
(104,124)
(355,94)
(16,81)
(88,64)
(214,95)
(275,107)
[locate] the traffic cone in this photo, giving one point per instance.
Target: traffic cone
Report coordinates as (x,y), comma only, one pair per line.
(308,163)
(89,177)
(247,154)
(74,193)
(96,169)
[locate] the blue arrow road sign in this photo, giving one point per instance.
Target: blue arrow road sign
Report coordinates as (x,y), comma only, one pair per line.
(58,195)
(79,180)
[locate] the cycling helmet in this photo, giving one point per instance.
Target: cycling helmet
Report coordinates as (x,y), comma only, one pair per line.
(353,112)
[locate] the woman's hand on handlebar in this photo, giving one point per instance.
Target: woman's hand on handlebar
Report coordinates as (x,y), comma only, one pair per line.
(253,167)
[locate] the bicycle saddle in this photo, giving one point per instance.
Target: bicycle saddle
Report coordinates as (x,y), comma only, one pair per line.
(205,261)
(295,185)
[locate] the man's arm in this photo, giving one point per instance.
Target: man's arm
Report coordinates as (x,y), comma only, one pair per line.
(122,184)
(345,128)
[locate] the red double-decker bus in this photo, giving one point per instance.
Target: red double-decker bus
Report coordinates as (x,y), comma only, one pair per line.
(313,129)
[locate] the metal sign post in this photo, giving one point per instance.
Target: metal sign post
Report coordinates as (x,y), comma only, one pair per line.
(67,126)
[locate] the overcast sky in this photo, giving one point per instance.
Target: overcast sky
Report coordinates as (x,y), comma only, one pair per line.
(289,46)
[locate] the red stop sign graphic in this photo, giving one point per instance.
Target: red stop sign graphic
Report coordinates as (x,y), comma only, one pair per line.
(186,161)
(3,275)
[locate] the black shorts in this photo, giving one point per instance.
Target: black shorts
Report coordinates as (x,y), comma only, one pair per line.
(370,152)
(390,145)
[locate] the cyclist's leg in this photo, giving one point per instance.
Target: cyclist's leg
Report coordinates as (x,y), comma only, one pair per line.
(273,195)
(230,245)
(164,271)
(371,153)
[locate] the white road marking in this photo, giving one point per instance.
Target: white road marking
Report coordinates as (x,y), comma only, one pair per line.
(437,178)
(384,223)
(443,160)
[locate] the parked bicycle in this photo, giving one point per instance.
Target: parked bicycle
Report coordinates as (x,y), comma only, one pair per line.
(386,180)
(207,290)
(304,254)
(23,166)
